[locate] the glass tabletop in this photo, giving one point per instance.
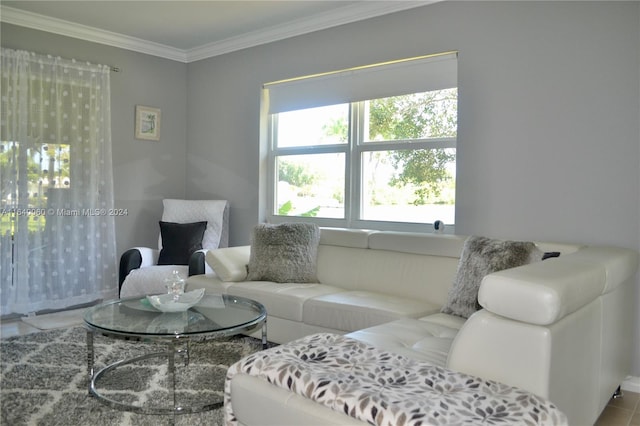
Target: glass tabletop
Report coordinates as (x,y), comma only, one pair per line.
(213,315)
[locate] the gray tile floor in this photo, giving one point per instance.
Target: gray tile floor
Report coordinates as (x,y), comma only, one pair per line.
(623,411)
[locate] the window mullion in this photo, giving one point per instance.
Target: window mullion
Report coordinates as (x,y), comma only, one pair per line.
(272,173)
(354,162)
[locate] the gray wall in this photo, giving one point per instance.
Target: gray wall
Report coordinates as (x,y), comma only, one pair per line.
(549,139)
(549,114)
(144,172)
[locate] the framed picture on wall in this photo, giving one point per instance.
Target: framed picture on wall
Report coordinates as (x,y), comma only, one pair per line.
(147,123)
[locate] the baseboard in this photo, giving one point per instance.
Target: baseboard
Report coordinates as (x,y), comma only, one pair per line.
(631,384)
(62,319)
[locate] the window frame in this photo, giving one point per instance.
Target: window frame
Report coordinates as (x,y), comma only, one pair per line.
(353,150)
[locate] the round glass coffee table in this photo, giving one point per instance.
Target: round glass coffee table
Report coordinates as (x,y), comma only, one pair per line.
(136,320)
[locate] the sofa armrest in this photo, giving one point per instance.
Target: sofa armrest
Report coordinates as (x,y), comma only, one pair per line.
(620,264)
(134,258)
(230,264)
(149,256)
(559,362)
(541,293)
(130,260)
(197,264)
(544,292)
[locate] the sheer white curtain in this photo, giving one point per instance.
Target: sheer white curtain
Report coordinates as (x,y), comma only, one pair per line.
(57,239)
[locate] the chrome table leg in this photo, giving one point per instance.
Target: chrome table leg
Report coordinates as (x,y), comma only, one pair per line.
(90,359)
(264,334)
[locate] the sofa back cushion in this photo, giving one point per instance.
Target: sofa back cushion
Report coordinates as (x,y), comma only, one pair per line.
(417,266)
(345,237)
(426,244)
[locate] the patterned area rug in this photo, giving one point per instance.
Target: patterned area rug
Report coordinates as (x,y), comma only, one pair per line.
(44,379)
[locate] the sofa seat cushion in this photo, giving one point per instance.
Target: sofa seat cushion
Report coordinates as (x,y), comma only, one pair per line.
(282,300)
(354,310)
(446,320)
(427,339)
(210,282)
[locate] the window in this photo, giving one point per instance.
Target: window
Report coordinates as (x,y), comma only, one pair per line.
(46,168)
(57,239)
(384,162)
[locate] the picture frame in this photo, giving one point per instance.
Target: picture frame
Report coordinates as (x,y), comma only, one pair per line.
(147,123)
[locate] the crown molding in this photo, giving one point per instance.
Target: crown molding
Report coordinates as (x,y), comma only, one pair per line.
(353,13)
(356,12)
(36,21)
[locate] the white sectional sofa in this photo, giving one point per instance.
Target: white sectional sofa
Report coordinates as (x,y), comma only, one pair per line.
(560,328)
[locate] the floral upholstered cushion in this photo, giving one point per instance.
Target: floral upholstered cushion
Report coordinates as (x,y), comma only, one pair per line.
(383,388)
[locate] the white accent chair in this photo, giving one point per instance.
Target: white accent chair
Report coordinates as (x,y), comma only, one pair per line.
(140,273)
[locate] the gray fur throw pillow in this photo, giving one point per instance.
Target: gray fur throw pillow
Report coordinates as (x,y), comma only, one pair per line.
(482,256)
(284,253)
